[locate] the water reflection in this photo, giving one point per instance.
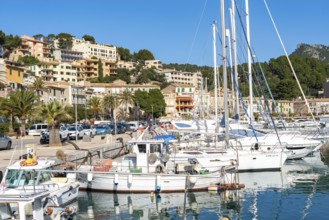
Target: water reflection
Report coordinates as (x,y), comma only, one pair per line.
(290,194)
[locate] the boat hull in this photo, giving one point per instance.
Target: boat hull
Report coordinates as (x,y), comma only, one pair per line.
(141,183)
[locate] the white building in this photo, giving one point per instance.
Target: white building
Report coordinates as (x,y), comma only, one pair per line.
(157,64)
(101,51)
(55,71)
(187,78)
(125,65)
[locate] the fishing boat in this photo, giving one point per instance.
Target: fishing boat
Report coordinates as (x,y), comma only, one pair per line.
(147,168)
(22,204)
(26,204)
(34,175)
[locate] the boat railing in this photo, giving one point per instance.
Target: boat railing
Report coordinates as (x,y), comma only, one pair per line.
(24,192)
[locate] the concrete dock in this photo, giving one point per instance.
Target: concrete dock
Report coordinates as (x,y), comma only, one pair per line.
(92,145)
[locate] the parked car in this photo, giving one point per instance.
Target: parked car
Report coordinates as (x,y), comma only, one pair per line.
(76,132)
(133,125)
(36,129)
(5,142)
(89,129)
(63,135)
(103,129)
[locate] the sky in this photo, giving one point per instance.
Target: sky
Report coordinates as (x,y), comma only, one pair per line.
(175,31)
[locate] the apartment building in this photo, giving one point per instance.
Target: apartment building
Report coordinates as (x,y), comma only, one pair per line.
(67,93)
(67,55)
(89,68)
(169,94)
(287,107)
(89,50)
(14,74)
(31,47)
(118,86)
(187,78)
(157,64)
(4,88)
(57,71)
(125,65)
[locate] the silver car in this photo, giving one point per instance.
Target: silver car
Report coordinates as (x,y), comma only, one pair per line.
(5,142)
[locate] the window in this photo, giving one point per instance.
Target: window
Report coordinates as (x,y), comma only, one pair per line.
(142,148)
(155,148)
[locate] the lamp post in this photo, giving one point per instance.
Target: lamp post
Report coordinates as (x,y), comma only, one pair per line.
(76,114)
(115,117)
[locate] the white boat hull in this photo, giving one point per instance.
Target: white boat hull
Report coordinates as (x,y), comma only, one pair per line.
(139,182)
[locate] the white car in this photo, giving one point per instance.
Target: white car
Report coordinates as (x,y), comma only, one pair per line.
(89,129)
(76,134)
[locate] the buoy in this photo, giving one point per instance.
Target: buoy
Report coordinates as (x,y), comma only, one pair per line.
(116,179)
(90,177)
(130,179)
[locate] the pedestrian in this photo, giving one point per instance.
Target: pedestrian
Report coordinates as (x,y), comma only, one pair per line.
(18,132)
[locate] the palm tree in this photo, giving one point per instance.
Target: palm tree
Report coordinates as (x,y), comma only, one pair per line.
(39,86)
(95,105)
(54,113)
(109,102)
(126,98)
(21,104)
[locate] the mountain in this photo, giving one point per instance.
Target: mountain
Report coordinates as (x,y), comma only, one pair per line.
(318,51)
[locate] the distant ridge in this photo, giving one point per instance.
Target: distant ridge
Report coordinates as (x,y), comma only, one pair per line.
(318,51)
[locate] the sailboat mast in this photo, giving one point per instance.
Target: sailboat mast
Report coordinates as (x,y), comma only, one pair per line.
(235,58)
(222,17)
(249,60)
(228,35)
(215,74)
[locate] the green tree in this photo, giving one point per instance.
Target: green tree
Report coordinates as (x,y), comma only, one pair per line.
(126,99)
(22,104)
(65,41)
(151,102)
(11,42)
(54,113)
(2,37)
(38,86)
(124,54)
(109,103)
(143,55)
(142,78)
(38,36)
(95,105)
(100,70)
(90,38)
(123,74)
(28,60)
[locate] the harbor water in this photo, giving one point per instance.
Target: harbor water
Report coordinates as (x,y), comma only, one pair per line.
(299,191)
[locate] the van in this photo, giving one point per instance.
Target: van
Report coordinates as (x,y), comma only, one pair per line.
(133,125)
(36,129)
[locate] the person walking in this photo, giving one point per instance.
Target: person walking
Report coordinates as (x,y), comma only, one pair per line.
(19,132)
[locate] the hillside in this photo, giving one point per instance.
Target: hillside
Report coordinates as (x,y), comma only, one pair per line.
(318,51)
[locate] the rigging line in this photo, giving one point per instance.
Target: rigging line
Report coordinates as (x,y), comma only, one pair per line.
(243,104)
(253,62)
(292,68)
(274,102)
(196,32)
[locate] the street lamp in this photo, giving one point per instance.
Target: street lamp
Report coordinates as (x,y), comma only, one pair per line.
(76,114)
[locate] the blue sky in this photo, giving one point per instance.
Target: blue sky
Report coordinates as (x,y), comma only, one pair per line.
(175,31)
